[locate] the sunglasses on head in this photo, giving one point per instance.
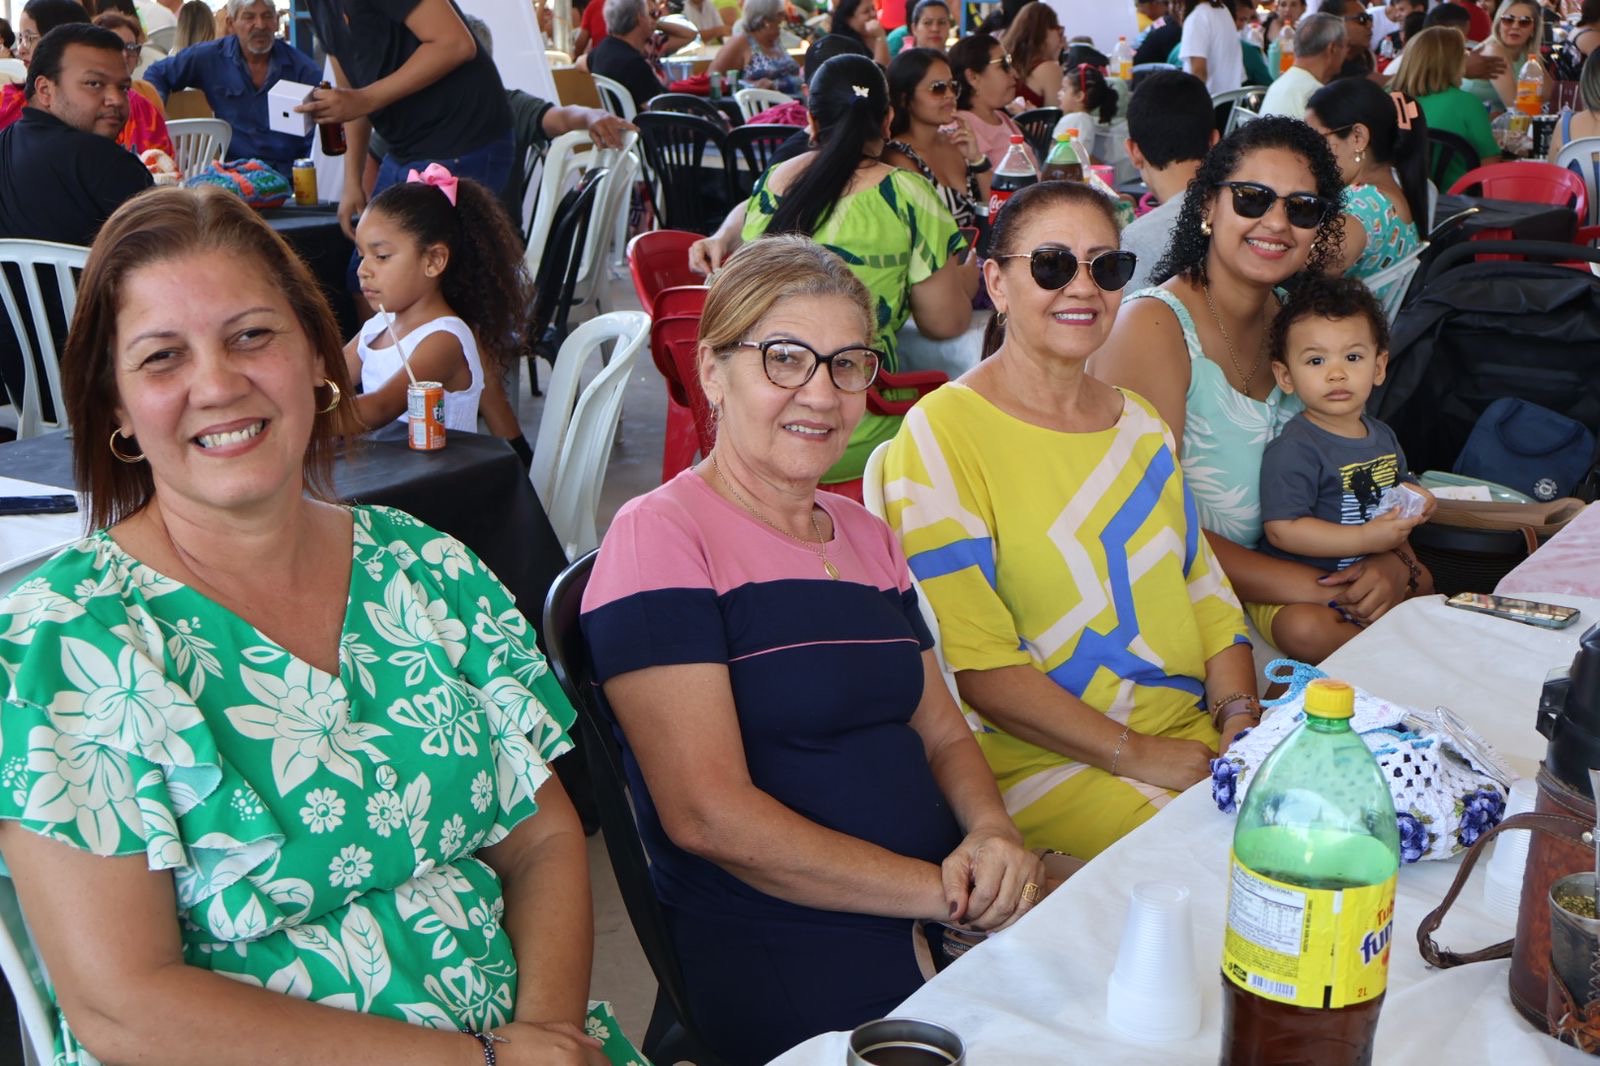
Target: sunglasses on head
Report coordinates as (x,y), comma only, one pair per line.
(1252,200)
(1054,268)
(939,88)
(1516,20)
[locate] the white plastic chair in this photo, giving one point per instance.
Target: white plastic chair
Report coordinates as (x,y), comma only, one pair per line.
(754,101)
(577,431)
(1239,116)
(163,38)
(611,203)
(1583,156)
(30,259)
(872,494)
(557,58)
(1390,284)
(199,142)
(25,974)
(614,98)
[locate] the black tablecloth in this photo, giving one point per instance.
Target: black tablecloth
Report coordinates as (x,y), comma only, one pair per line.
(474,489)
(314,233)
(1527,222)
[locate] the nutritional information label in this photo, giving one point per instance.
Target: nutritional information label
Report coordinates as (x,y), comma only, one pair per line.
(1266,914)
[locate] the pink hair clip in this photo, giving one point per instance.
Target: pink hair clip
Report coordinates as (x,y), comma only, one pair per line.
(1405,109)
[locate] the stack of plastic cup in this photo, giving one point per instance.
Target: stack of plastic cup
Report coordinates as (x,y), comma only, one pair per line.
(1154,993)
(1502,880)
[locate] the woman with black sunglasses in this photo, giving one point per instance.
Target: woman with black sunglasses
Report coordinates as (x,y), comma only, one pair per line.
(926,139)
(985,84)
(1046,516)
(1262,208)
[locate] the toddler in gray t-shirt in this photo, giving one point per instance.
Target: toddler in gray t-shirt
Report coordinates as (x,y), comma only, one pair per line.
(1322,478)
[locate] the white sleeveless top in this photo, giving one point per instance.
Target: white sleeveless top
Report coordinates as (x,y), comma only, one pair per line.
(378,365)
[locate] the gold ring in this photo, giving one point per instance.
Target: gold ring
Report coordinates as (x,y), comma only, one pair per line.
(1030,892)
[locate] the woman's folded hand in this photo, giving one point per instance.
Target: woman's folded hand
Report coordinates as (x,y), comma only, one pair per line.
(985,876)
(1167,762)
(547,1044)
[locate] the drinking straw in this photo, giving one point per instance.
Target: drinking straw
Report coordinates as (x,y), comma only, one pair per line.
(405,360)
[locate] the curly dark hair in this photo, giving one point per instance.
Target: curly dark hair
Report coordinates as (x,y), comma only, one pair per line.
(1186,255)
(1336,298)
(486,282)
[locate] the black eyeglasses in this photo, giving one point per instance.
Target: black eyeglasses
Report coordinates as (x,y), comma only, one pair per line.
(1362,19)
(940,88)
(1516,20)
(1252,200)
(1054,268)
(852,368)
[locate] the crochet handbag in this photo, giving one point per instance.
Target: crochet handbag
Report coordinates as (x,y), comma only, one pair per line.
(1449,786)
(251,179)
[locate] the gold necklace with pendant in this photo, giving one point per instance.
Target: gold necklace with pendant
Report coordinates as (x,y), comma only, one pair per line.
(822,543)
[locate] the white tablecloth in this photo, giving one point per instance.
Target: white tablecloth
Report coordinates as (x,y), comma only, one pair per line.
(1036,993)
(26,541)
(1568,562)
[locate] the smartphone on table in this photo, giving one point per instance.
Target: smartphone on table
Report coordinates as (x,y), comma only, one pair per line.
(1528,612)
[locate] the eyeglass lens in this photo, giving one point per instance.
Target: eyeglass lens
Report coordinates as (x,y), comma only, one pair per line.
(790,364)
(1303,210)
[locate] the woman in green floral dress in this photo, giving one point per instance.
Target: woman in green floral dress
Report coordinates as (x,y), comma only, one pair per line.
(251,734)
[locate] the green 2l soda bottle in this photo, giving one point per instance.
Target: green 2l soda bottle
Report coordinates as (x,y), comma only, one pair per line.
(1310,897)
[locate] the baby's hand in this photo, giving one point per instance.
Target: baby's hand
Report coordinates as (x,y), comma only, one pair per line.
(1388,531)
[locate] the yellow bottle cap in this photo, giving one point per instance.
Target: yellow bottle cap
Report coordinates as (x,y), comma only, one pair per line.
(1327,698)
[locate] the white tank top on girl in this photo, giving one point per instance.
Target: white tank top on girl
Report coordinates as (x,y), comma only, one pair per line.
(378,365)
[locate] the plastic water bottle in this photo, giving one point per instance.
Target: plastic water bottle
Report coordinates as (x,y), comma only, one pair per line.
(1530,79)
(1014,172)
(1122,59)
(1285,48)
(1305,960)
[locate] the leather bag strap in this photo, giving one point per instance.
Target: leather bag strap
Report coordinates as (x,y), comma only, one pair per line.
(1566,828)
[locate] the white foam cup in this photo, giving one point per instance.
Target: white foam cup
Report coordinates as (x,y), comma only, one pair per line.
(1154,993)
(1502,879)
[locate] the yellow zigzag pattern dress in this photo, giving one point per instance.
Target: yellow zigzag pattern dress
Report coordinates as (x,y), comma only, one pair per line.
(1080,554)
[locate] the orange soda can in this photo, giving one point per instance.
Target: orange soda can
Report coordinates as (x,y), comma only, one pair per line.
(425,415)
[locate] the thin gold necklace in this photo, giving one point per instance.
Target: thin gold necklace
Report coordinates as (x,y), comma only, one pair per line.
(1233,356)
(822,542)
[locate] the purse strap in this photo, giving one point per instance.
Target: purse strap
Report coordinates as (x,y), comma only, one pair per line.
(1560,825)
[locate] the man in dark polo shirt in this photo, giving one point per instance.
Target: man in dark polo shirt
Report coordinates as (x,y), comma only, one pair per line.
(62,172)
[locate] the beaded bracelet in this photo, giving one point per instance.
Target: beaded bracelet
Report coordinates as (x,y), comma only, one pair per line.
(1221,702)
(488,1040)
(1123,739)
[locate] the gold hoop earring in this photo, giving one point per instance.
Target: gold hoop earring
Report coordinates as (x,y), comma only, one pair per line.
(129,459)
(333,401)
(1205,227)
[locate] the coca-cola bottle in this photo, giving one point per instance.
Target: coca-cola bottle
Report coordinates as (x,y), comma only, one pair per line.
(1016,171)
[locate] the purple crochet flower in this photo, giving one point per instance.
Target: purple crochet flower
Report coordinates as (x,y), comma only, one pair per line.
(1481,812)
(1223,777)
(1413,836)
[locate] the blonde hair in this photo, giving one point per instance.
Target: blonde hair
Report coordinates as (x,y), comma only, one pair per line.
(1432,62)
(767,272)
(1532,44)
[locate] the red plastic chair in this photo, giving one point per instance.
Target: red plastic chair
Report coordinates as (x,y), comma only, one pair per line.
(690,429)
(659,260)
(1528,181)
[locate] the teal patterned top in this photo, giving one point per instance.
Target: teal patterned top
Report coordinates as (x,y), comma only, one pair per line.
(1389,239)
(893,235)
(1225,433)
(320,829)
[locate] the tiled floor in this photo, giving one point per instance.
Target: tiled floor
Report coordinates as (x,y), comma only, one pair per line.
(621,974)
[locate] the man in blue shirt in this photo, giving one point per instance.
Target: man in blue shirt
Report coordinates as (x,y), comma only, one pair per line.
(235,73)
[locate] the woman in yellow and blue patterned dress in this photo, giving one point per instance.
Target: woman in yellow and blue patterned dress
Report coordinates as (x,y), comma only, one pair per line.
(1044,513)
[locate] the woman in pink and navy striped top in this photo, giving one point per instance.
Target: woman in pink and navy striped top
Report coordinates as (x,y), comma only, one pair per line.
(809,794)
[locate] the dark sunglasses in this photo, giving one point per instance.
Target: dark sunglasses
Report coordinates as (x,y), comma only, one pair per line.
(939,88)
(1363,19)
(1516,20)
(1252,200)
(1054,268)
(133,49)
(1004,63)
